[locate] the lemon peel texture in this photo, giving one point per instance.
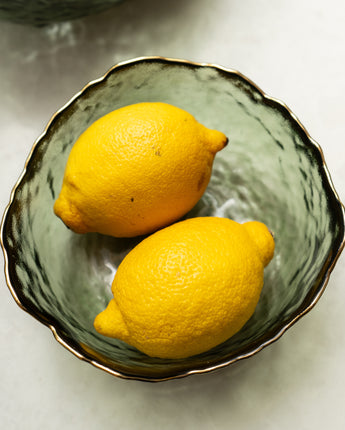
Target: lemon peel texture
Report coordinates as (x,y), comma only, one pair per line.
(137,169)
(188,287)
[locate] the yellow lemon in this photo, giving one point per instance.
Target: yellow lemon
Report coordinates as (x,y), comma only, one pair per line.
(137,169)
(188,287)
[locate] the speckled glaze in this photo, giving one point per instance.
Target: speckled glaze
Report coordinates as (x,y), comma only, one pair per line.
(271,171)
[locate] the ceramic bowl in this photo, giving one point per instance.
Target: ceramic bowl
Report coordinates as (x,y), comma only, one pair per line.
(271,171)
(43,12)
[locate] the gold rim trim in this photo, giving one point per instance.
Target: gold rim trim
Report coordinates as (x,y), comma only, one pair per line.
(207,369)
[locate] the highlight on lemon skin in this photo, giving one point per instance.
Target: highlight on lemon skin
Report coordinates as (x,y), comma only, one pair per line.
(188,287)
(136,170)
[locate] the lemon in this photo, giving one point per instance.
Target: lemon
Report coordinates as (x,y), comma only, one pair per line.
(188,287)
(137,169)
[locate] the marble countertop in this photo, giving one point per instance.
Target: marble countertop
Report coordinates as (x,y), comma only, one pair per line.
(295,51)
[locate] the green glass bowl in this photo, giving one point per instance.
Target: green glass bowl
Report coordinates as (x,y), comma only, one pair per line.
(43,12)
(271,171)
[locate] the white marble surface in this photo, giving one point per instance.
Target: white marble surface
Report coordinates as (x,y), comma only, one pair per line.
(295,51)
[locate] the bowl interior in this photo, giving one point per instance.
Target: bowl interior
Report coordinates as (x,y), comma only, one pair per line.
(271,171)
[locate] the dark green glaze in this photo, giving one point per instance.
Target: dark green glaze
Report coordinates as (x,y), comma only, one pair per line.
(271,171)
(42,12)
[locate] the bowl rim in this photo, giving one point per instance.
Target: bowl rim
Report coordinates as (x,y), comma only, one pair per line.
(82,354)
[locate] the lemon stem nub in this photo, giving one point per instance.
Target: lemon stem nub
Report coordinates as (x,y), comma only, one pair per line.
(216,140)
(110,322)
(262,238)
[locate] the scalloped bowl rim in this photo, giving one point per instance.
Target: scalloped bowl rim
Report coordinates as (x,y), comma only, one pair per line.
(60,337)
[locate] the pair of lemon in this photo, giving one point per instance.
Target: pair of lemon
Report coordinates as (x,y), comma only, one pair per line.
(191,285)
